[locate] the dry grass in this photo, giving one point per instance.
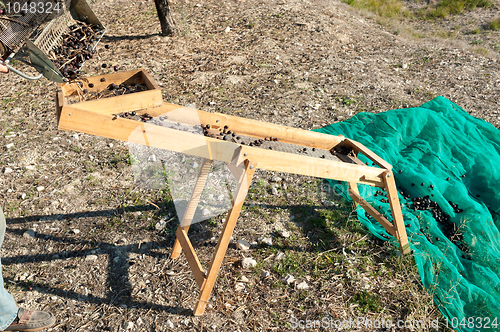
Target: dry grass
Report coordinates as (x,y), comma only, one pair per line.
(495,24)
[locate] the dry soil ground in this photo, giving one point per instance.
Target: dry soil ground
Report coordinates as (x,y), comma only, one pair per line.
(95,257)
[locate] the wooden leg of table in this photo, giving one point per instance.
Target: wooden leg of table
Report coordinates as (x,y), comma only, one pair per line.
(192,205)
(354,187)
(220,251)
(397,214)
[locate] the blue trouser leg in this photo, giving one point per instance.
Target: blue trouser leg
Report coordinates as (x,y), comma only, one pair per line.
(8,307)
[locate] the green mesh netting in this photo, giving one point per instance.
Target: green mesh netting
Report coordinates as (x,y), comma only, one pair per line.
(447,169)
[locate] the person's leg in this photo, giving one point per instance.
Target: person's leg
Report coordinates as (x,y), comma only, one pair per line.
(8,306)
(12,318)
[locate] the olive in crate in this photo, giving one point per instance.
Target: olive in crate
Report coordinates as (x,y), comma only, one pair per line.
(76,47)
(116,92)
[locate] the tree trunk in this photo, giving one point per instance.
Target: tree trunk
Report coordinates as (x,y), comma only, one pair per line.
(167,22)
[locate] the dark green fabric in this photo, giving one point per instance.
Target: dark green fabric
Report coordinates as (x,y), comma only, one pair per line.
(429,144)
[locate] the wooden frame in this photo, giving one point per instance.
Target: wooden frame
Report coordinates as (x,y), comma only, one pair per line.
(97,119)
(116,104)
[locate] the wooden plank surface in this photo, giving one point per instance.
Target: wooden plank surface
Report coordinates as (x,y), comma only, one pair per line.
(206,147)
(245,126)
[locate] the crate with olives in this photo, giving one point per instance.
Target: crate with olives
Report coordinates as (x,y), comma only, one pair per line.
(116,92)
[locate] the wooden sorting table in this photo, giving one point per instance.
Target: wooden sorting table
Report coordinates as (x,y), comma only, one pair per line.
(98,118)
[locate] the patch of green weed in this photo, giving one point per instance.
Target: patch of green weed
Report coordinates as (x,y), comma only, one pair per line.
(367,301)
(495,24)
(383,8)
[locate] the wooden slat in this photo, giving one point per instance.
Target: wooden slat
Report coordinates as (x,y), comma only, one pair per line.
(330,169)
(220,250)
(373,212)
(116,104)
(358,147)
(254,128)
(206,147)
(397,214)
(354,187)
(125,103)
(201,180)
(192,259)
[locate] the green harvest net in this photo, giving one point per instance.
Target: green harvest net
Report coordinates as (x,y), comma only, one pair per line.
(447,169)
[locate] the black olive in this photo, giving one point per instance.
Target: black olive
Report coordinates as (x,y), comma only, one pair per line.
(104,65)
(91,85)
(103,79)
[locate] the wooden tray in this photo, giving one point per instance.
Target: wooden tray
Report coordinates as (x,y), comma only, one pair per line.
(115,104)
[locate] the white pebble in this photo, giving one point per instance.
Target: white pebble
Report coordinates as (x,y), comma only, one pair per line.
(279,256)
(248,263)
(303,285)
(239,286)
(128,325)
(265,240)
(29,234)
(169,324)
(284,233)
(289,279)
(242,245)
(91,258)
